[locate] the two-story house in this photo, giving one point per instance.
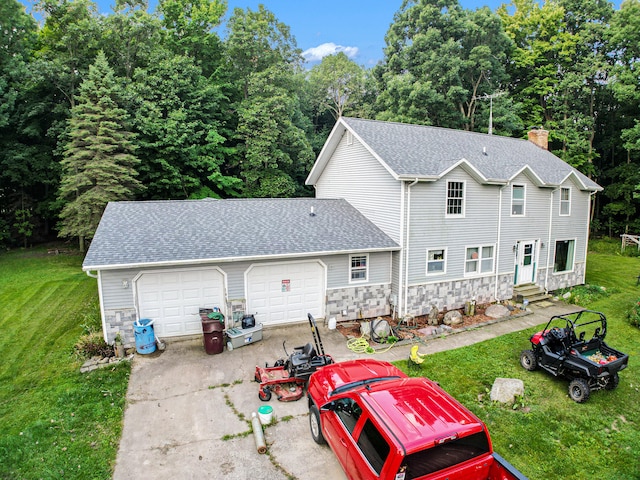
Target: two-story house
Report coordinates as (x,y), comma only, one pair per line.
(474,214)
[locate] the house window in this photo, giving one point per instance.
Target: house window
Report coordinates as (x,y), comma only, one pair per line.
(565,201)
(455,198)
(359,268)
(349,138)
(435,261)
(563,259)
(479,260)
(517,200)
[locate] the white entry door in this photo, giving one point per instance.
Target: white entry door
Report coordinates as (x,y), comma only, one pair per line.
(526,261)
(172,298)
(285,292)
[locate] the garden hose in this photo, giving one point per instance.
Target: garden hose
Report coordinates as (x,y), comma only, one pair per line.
(361,345)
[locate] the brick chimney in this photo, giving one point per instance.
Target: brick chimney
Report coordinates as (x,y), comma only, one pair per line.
(540,137)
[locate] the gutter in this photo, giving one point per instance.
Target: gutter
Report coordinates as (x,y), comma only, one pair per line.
(407,242)
(252,258)
(546,273)
(495,288)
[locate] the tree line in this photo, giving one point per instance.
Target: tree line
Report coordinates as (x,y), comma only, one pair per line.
(192,101)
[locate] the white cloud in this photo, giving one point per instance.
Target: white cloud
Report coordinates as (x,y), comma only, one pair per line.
(316,54)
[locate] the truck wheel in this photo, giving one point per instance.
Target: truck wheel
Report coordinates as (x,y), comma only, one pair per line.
(264,394)
(314,424)
(528,360)
(613,381)
(579,390)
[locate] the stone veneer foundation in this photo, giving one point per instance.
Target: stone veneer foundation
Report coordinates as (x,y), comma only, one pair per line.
(352,303)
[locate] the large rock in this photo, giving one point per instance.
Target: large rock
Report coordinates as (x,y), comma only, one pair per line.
(497,311)
(505,390)
(381,328)
(453,318)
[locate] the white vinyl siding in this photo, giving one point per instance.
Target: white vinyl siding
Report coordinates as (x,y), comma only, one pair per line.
(355,175)
(432,229)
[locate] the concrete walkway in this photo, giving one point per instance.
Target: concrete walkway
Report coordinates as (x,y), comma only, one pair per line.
(187,412)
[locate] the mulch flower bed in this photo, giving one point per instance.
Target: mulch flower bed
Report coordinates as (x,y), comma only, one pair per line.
(407,331)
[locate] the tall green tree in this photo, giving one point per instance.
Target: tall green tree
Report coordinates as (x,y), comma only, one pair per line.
(560,70)
(440,59)
(190,30)
(274,153)
(24,172)
(99,164)
(129,36)
(178,117)
(338,84)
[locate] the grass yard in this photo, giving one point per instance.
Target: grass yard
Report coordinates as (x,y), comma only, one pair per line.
(58,423)
(54,421)
(548,435)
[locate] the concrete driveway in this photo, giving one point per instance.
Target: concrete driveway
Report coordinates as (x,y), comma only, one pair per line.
(188,413)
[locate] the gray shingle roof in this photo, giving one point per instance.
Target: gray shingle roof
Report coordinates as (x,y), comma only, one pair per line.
(182,231)
(429,152)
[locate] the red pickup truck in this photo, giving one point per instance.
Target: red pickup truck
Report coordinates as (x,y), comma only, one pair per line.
(382,424)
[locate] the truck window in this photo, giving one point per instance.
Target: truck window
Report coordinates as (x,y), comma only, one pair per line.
(348,412)
(373,446)
(445,455)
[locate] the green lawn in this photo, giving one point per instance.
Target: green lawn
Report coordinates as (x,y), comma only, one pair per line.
(54,421)
(548,435)
(57,423)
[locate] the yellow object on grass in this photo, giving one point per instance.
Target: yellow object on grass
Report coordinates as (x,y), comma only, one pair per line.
(415,356)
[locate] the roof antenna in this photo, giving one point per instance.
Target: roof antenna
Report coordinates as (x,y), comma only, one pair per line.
(312,214)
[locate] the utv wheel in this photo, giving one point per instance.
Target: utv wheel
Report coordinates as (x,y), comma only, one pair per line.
(314,424)
(613,381)
(528,360)
(579,390)
(264,394)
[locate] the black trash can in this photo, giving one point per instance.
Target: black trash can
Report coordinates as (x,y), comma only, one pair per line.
(213,331)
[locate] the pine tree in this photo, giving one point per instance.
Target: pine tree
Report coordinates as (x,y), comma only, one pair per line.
(99,165)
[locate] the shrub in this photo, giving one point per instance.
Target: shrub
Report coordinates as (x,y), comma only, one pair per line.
(634,314)
(92,344)
(584,295)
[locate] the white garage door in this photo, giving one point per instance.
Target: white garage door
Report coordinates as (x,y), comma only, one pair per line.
(172,298)
(286,292)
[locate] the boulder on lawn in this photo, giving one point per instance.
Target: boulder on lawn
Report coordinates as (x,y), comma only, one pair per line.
(505,390)
(497,311)
(453,318)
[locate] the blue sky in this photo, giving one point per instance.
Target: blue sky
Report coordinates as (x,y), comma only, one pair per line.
(356,27)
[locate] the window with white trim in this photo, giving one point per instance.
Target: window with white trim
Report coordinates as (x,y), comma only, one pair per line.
(436,258)
(517,200)
(455,198)
(565,201)
(479,260)
(359,268)
(563,256)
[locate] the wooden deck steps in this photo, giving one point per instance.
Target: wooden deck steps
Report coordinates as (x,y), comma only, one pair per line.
(531,292)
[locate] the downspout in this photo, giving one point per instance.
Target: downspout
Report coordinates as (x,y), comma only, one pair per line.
(92,275)
(406,242)
(586,247)
(546,273)
(495,289)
